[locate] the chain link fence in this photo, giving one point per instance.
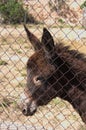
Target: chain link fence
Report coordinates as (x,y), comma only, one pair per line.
(67,23)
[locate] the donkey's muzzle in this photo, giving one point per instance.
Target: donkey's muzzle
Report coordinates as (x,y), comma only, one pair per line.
(29,109)
(27,105)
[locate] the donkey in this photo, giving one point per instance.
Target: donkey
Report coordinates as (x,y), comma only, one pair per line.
(54,70)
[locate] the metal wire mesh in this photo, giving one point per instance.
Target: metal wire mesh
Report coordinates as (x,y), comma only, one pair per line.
(67,26)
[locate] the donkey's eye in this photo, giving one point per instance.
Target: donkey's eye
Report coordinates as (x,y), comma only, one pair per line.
(38,80)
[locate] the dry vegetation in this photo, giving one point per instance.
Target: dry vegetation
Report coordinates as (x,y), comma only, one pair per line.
(14,53)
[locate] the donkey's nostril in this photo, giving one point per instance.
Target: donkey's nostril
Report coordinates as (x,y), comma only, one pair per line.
(24,111)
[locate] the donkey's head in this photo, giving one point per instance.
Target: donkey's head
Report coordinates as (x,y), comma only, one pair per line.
(39,90)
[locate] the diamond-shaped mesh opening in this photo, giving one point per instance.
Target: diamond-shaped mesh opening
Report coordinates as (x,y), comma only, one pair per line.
(66,21)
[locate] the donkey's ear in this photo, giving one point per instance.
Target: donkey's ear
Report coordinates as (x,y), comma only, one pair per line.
(47,40)
(33,39)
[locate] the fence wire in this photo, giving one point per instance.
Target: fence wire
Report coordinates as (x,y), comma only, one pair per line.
(66,21)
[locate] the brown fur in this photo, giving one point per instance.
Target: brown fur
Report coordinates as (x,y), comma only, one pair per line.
(39,61)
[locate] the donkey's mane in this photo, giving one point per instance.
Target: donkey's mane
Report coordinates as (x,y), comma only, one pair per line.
(73,53)
(74,58)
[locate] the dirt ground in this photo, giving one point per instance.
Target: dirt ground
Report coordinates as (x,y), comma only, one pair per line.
(15,50)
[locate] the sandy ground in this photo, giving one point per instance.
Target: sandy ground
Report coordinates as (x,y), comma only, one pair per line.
(15,51)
